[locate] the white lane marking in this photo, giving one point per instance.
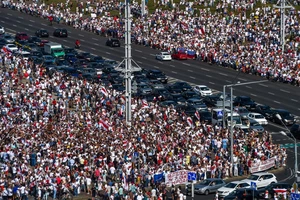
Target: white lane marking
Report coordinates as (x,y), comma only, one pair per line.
(263,85)
(174,72)
(108,53)
(152,54)
(65,40)
(277,102)
(81,35)
(172,65)
(222,74)
(156,67)
(144,57)
(29,24)
(3,22)
(93,48)
(70,31)
(82,40)
(227,81)
(186,64)
(6,17)
(190,70)
(26,29)
(20,17)
(211,83)
(208,76)
(14,25)
(9,14)
(139,62)
(160,62)
(253,95)
(192,77)
(95,39)
(110,48)
(294,100)
(71,37)
(271,93)
(248,87)
(96,44)
(242,79)
(43,24)
(205,69)
(284,91)
(138,50)
(32,21)
(18,21)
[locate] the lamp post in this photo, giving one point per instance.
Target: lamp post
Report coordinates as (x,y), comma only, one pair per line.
(295,143)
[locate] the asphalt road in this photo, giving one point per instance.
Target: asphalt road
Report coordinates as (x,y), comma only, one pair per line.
(276,95)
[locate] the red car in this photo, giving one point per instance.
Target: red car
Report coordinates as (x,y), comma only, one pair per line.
(22,36)
(179,55)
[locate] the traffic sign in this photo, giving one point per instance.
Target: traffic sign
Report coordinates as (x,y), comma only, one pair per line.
(295,196)
(289,145)
(253,185)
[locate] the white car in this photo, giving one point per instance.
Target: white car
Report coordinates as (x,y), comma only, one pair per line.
(203,90)
(258,117)
(262,179)
(11,47)
(163,56)
(230,187)
(2,30)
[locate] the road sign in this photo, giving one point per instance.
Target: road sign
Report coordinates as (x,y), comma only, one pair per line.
(295,196)
(253,185)
(192,176)
(289,145)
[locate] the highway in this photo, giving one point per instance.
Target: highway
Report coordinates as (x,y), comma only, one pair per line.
(276,95)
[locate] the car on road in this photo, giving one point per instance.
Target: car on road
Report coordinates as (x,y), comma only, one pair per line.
(49,59)
(113,42)
(165,56)
(8,38)
(2,30)
(243,194)
(265,110)
(179,56)
(157,75)
(286,117)
(254,125)
(11,47)
(203,90)
(181,86)
(244,101)
(242,111)
(230,187)
(207,186)
(197,103)
(205,116)
(21,36)
(262,179)
(42,33)
(60,32)
(212,100)
(258,117)
(295,130)
(270,188)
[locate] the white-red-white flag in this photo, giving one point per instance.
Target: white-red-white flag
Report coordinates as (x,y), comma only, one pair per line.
(104,91)
(103,124)
(145,103)
(197,115)
(190,122)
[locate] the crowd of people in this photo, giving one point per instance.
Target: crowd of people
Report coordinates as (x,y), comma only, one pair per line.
(59,132)
(230,37)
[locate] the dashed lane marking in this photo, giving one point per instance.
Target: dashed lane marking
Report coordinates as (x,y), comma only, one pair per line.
(6,17)
(174,72)
(271,93)
(32,21)
(223,74)
(138,50)
(277,102)
(82,40)
(65,40)
(43,24)
(227,81)
(14,25)
(26,29)
(248,87)
(284,91)
(20,17)
(93,48)
(144,57)
(139,62)
(212,83)
(172,65)
(186,64)
(263,85)
(242,79)
(156,67)
(205,69)
(190,70)
(253,95)
(192,77)
(209,76)
(152,54)
(95,39)
(30,25)
(9,14)
(294,100)
(81,35)
(3,22)
(108,53)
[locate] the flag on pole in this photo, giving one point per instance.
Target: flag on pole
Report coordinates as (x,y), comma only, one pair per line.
(197,115)
(190,122)
(104,91)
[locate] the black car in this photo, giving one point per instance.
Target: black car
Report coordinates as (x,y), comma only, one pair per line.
(113,42)
(295,130)
(98,59)
(180,85)
(36,53)
(162,94)
(185,108)
(190,94)
(212,100)
(265,110)
(2,42)
(60,32)
(270,188)
(157,75)
(84,55)
(244,101)
(42,33)
(178,98)
(70,50)
(205,116)
(286,117)
(244,194)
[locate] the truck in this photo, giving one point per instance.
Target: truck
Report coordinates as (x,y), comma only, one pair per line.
(54,49)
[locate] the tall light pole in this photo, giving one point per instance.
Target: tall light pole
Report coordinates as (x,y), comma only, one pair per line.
(231,112)
(295,143)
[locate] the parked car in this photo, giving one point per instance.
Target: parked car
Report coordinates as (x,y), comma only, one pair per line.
(270,188)
(286,117)
(212,100)
(265,110)
(21,36)
(179,56)
(189,94)
(202,90)
(163,56)
(8,38)
(242,111)
(258,117)
(157,75)
(206,187)
(180,85)
(42,33)
(113,42)
(2,30)
(295,130)
(11,47)
(254,125)
(230,187)
(205,116)
(243,194)
(197,103)
(261,179)
(60,32)
(244,101)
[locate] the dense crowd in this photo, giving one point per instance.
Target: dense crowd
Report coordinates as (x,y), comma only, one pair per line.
(227,37)
(60,132)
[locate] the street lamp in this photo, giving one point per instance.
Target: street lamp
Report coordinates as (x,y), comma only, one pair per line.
(295,143)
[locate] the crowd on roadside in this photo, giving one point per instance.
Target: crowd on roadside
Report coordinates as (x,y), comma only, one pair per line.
(231,39)
(60,132)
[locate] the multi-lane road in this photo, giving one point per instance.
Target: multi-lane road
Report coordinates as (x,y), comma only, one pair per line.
(277,95)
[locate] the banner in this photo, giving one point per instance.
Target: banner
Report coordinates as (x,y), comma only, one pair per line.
(264,165)
(176,178)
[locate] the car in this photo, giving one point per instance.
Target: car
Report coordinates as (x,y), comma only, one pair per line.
(60,32)
(144,89)
(244,101)
(180,85)
(31,47)
(71,58)
(36,53)
(84,55)
(254,125)
(2,42)
(49,59)
(207,186)
(286,117)
(230,187)
(295,130)
(21,36)
(243,194)
(262,179)
(258,117)
(265,110)
(164,56)
(202,90)
(2,30)
(178,98)
(179,56)
(113,42)
(162,94)
(212,100)
(197,103)
(189,94)
(242,111)
(167,103)
(187,109)
(205,116)
(155,84)
(21,43)
(270,188)
(98,59)
(157,75)
(70,50)
(8,38)
(11,47)
(42,33)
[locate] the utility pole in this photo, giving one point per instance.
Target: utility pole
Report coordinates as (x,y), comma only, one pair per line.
(143,8)
(282,8)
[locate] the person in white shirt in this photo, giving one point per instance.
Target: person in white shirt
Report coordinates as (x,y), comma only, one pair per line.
(153,193)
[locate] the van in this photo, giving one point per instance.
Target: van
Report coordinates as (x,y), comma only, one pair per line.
(237,120)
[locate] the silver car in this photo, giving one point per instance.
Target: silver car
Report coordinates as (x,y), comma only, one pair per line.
(210,185)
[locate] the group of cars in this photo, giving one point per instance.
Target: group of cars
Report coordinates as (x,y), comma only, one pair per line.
(266,185)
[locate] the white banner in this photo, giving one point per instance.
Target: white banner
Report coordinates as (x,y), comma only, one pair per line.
(176,178)
(264,165)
